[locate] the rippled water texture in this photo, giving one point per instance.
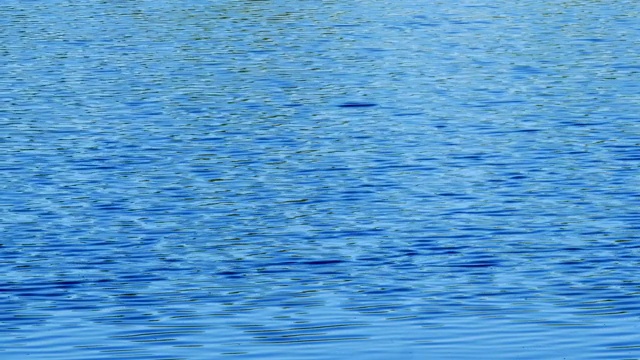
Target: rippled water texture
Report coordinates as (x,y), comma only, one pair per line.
(319,179)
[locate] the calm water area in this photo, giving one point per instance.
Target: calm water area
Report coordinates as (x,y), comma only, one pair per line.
(217,179)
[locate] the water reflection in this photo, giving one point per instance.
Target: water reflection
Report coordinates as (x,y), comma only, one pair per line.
(271,180)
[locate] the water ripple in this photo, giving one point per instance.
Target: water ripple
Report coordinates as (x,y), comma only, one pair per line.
(306,180)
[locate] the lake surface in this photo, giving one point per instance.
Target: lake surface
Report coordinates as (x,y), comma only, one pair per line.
(319,179)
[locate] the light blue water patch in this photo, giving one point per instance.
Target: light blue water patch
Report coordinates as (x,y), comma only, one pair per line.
(319,179)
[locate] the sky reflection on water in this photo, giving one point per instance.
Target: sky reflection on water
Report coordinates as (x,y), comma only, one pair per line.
(267,179)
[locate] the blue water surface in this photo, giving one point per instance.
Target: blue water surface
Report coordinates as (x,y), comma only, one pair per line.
(210,179)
